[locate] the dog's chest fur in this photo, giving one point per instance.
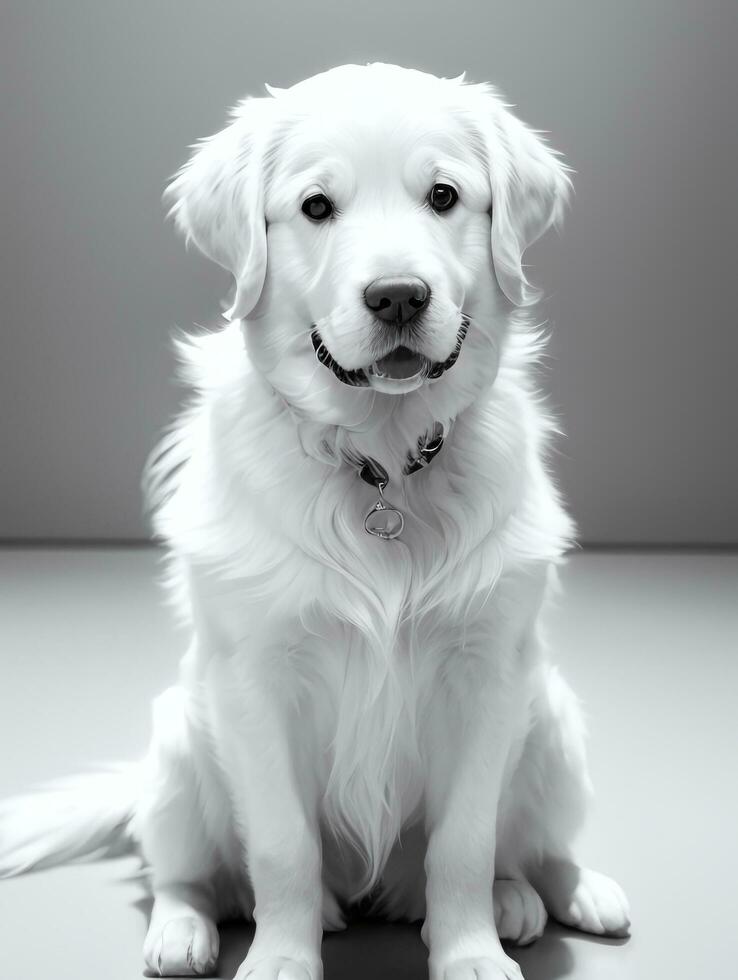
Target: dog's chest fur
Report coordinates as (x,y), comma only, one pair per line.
(362,637)
(372,673)
(376,646)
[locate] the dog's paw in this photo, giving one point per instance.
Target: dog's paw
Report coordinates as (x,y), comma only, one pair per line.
(278,968)
(475,963)
(480,968)
(598,905)
(585,899)
(181,947)
(520,915)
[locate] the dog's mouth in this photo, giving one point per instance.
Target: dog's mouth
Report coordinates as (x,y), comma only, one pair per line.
(400,371)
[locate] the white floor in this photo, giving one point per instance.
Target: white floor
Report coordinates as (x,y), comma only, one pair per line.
(649,641)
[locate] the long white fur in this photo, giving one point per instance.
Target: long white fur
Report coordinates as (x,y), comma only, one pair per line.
(358,717)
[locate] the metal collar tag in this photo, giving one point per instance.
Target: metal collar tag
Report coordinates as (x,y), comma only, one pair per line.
(384,520)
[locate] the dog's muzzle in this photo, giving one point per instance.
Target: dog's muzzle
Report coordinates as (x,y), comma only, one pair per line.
(402,370)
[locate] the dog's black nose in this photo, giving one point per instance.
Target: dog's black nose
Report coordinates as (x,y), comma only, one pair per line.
(397,299)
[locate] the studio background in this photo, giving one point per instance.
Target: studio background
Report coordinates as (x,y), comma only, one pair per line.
(101,100)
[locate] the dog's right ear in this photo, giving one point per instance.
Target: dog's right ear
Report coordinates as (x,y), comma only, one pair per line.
(217,200)
(530,188)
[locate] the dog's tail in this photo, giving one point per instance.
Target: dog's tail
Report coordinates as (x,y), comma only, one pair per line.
(81,816)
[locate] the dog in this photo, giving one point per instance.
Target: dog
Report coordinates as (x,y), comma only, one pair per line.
(362,534)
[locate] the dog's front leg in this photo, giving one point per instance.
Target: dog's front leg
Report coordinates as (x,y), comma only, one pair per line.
(467,752)
(276,815)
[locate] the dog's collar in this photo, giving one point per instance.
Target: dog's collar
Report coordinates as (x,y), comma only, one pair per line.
(384,520)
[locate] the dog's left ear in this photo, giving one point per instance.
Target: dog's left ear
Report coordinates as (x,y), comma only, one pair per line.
(530,188)
(217,200)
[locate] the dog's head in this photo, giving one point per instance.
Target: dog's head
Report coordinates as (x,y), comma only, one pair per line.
(374,219)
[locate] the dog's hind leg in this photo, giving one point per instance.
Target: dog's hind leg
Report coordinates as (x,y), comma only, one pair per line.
(179,846)
(549,797)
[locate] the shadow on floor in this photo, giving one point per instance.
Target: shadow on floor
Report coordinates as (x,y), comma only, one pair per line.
(548,958)
(368,949)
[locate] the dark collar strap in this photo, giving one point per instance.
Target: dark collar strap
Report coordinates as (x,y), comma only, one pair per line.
(385,520)
(429,446)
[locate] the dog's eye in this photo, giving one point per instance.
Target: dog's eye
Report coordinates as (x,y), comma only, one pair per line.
(442,197)
(317,207)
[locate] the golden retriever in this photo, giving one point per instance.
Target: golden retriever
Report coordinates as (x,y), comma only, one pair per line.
(362,534)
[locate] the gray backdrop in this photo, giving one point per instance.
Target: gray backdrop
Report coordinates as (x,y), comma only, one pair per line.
(99,101)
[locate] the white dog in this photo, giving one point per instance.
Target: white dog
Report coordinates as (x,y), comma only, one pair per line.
(366,710)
